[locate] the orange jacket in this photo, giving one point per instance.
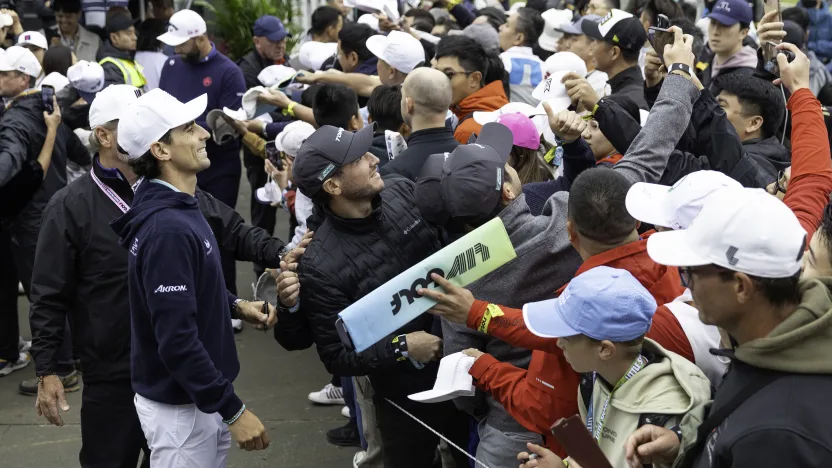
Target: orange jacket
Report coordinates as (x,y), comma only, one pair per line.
(489,98)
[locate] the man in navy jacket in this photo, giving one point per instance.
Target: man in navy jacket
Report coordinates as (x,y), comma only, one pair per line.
(198,68)
(183,356)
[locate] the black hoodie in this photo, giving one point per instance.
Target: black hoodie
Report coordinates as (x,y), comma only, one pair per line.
(183,347)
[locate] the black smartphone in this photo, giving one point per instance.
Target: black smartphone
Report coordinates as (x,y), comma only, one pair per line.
(660,37)
(47,93)
(662,22)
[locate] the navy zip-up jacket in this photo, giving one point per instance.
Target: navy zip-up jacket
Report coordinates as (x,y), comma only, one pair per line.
(182,345)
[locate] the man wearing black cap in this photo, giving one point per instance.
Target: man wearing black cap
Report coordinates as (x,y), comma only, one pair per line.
(117,54)
(371,232)
(618,39)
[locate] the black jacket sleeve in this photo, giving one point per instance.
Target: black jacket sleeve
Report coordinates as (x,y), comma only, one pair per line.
(321,302)
(716,138)
(292,330)
(616,124)
(248,243)
(249,72)
(75,150)
(53,286)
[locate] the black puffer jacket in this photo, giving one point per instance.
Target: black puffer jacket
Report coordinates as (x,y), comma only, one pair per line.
(349,258)
(24,191)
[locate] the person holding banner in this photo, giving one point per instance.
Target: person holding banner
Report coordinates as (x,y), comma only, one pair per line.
(371,232)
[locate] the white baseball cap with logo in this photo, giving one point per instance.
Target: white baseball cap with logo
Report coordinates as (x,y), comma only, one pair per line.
(111,103)
(399,49)
(675,207)
(151,116)
(33,38)
(276,75)
(292,137)
(741,229)
(20,59)
(452,380)
(183,26)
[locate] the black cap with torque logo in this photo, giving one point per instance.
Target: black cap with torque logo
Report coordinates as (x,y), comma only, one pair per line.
(325,151)
(619,28)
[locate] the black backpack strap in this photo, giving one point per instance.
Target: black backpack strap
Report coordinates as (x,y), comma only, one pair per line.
(717,417)
(464,118)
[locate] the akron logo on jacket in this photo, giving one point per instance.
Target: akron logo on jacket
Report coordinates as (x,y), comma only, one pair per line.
(463,262)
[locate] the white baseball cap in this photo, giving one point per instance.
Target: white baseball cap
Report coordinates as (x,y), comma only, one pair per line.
(33,38)
(182,26)
(399,49)
(151,116)
(452,380)
(564,62)
(254,107)
(110,103)
(312,54)
(741,229)
(553,19)
(55,80)
(221,131)
(677,206)
(20,59)
(292,137)
(87,77)
(276,75)
(536,114)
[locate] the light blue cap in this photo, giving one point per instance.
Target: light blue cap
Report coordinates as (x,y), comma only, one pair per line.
(602,303)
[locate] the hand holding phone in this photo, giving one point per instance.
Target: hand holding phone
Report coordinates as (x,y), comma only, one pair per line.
(660,37)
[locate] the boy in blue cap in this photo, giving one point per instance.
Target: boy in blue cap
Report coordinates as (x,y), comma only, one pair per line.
(600,321)
(728,27)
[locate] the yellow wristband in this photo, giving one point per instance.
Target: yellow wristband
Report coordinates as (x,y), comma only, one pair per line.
(565,463)
(290,110)
(451,4)
(491,311)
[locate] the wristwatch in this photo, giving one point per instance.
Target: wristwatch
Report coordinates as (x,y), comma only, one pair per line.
(681,67)
(234,305)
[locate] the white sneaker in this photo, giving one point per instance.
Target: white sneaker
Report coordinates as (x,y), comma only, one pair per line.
(7,367)
(345,412)
(357,458)
(23,346)
(237,325)
(329,395)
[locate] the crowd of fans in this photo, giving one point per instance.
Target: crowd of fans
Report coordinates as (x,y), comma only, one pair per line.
(662,169)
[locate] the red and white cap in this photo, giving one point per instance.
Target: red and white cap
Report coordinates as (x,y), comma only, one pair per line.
(182,26)
(20,59)
(399,49)
(33,38)
(741,229)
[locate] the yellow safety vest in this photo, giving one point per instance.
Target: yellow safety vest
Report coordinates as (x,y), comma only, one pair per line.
(131,71)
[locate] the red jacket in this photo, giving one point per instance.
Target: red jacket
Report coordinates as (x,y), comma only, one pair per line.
(548,390)
(811,179)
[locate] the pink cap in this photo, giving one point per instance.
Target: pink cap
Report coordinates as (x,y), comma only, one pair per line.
(522,129)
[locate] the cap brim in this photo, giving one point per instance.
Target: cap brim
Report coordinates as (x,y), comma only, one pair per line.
(279,36)
(544,320)
(238,114)
(361,143)
(723,19)
(557,105)
(571,29)
(497,136)
(672,248)
(376,45)
(438,396)
(590,28)
(172,40)
(261,196)
(644,202)
(191,110)
(484,117)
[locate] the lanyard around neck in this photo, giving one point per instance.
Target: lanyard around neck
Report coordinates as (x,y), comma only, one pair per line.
(598,428)
(111,194)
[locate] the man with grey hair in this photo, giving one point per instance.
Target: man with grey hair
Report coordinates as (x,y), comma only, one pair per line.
(426,96)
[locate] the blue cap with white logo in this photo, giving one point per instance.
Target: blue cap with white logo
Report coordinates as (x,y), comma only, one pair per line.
(602,303)
(731,12)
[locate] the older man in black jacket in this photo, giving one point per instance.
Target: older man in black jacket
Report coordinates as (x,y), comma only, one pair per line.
(371,232)
(81,272)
